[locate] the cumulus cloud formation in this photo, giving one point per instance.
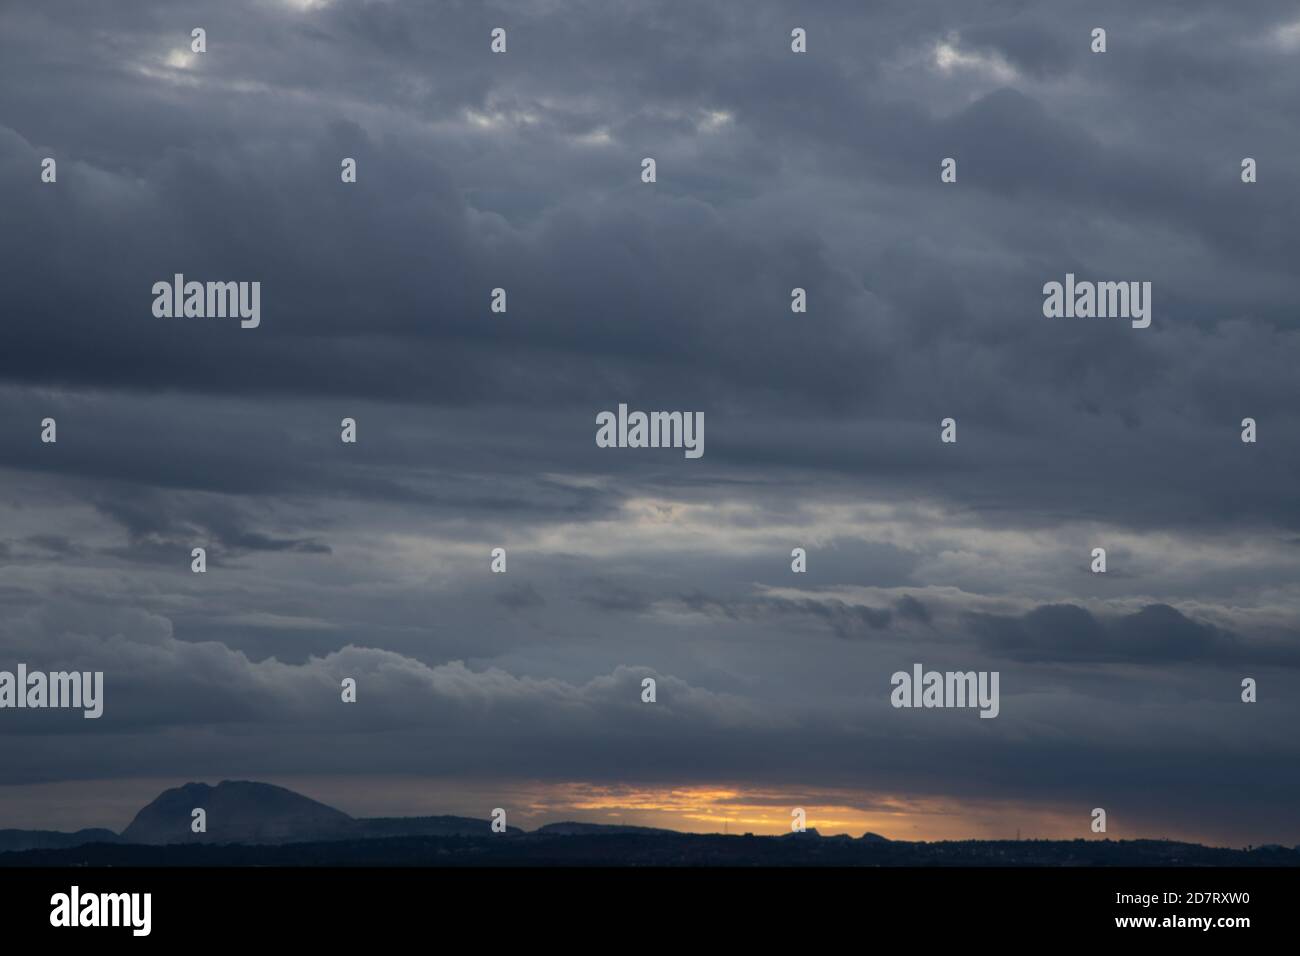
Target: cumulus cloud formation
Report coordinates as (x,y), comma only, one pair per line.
(475,429)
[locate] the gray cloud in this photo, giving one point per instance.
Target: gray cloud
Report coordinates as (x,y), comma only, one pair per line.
(1157,634)
(475,430)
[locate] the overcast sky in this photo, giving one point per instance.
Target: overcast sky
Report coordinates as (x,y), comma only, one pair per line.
(476,430)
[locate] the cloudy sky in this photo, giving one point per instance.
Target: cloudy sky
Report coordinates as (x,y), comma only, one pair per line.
(476,430)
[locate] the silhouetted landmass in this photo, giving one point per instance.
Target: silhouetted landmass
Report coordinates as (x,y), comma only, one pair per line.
(659,849)
(571,828)
(246,812)
(52,839)
(256,824)
(373,827)
(240,811)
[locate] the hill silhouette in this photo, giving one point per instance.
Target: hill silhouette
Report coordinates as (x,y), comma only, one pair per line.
(238,811)
(570,828)
(245,812)
(376,827)
(11,840)
(258,824)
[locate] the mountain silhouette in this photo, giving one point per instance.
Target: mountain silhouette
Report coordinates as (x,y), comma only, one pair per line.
(241,811)
(258,824)
(238,811)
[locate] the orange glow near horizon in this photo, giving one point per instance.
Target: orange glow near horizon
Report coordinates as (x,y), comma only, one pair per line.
(716,809)
(691,808)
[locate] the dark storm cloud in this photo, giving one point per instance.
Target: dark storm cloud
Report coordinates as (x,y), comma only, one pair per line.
(1157,634)
(161,526)
(910,607)
(844,620)
(380,291)
(475,430)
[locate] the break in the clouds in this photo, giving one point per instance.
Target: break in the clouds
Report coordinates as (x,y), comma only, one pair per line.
(774,171)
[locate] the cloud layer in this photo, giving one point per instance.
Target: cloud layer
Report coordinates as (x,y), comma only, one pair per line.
(775,170)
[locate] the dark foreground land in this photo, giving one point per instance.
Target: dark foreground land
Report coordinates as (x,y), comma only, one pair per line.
(257,824)
(658,849)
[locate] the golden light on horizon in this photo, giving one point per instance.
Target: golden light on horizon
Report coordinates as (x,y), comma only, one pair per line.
(689,808)
(715,809)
